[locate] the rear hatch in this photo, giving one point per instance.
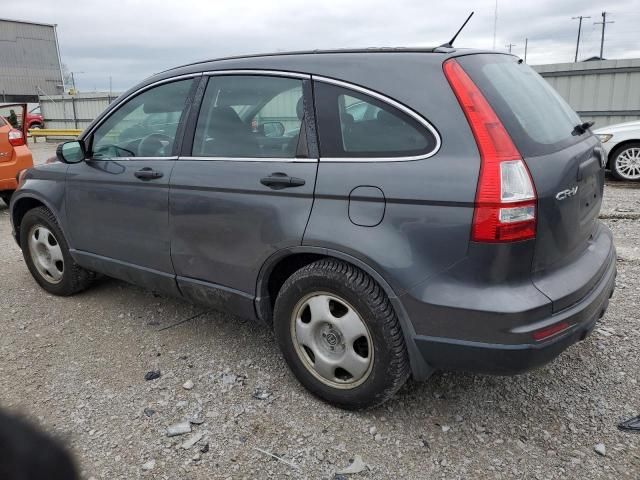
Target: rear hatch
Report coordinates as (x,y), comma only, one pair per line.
(565,165)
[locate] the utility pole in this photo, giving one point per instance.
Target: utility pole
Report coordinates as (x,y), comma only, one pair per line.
(603,23)
(73,82)
(509,45)
(495,24)
(526,44)
(579,30)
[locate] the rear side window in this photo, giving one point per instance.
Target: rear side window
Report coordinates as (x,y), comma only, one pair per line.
(536,117)
(352,124)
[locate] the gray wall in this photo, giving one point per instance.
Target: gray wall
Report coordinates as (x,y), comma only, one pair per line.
(78,111)
(605,91)
(29,62)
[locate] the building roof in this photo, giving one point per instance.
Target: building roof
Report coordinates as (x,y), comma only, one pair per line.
(28,22)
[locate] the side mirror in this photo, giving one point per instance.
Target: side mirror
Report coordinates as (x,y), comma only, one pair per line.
(71,152)
(272,129)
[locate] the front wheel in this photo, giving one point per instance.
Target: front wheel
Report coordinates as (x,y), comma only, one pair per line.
(625,162)
(340,335)
(47,256)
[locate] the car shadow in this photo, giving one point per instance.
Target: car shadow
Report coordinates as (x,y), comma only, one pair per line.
(446,398)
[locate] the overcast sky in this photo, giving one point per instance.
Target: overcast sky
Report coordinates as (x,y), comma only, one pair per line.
(130,40)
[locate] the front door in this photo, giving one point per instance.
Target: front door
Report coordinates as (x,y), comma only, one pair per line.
(244,189)
(117,200)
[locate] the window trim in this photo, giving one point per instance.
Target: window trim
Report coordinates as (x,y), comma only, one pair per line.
(398,106)
(254,71)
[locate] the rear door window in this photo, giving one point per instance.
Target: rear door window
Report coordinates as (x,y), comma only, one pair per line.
(246,116)
(352,124)
(536,116)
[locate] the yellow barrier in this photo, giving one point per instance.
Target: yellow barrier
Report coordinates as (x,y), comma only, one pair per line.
(54,132)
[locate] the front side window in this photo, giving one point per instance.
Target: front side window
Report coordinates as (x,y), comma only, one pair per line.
(249,116)
(145,126)
(352,124)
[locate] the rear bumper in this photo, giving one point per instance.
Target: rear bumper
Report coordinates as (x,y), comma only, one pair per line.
(512,350)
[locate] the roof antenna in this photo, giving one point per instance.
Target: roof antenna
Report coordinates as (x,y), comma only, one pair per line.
(449,44)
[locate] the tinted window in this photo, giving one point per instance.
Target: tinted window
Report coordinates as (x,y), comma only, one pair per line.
(145,126)
(352,124)
(535,115)
(249,116)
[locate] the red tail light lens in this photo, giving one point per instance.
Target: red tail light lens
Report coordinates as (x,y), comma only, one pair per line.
(548,332)
(16,138)
(505,204)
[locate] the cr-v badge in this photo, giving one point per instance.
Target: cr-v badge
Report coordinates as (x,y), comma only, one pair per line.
(570,192)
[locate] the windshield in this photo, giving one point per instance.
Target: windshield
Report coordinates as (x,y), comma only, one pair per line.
(537,118)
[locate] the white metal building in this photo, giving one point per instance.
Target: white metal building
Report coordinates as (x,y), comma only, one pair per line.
(29,61)
(605,91)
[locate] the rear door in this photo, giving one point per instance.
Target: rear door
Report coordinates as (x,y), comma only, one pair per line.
(117,201)
(565,161)
(11,117)
(6,150)
(243,187)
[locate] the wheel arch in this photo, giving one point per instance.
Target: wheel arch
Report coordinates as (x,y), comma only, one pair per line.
(280,265)
(20,206)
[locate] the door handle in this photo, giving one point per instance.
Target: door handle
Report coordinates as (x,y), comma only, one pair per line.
(147,173)
(279,180)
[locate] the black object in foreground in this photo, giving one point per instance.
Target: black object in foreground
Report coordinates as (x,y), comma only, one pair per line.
(152,375)
(631,425)
(28,454)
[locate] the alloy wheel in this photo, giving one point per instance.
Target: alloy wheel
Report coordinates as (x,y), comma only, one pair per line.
(628,163)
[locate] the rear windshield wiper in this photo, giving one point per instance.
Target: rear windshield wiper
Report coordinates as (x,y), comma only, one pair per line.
(581,128)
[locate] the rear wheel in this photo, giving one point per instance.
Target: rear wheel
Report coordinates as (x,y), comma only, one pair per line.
(47,256)
(340,335)
(625,162)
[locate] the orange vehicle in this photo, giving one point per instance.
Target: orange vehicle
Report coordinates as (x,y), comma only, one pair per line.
(15,156)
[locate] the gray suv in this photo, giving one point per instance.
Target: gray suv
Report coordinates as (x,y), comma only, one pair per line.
(387,212)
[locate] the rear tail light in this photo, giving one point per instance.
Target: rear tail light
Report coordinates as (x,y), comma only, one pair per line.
(16,138)
(505,205)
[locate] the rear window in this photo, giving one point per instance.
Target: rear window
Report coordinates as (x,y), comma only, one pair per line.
(536,117)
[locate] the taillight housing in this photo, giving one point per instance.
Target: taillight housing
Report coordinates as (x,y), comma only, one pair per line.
(16,138)
(505,203)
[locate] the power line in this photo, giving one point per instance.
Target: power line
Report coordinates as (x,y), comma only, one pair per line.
(509,45)
(579,29)
(603,23)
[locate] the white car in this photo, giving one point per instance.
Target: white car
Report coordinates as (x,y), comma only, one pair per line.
(622,144)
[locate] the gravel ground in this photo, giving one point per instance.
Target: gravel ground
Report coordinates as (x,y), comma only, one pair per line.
(76,366)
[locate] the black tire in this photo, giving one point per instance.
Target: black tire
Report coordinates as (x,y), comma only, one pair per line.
(74,277)
(618,175)
(6,196)
(390,364)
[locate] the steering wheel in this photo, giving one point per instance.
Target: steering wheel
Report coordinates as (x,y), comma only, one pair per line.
(153,144)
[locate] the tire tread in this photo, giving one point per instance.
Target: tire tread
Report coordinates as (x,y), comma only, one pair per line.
(368,289)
